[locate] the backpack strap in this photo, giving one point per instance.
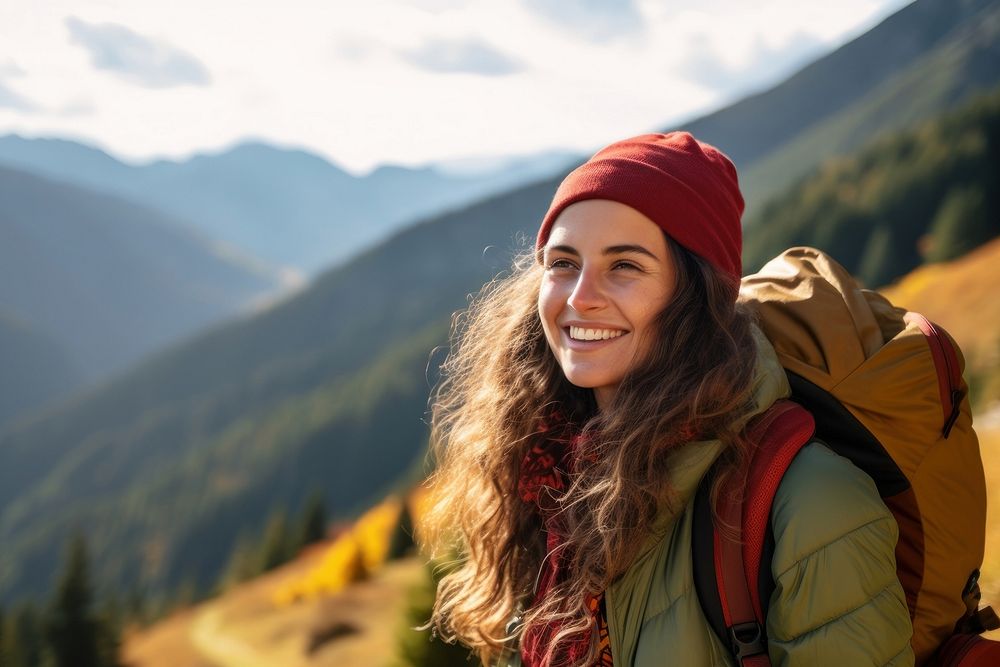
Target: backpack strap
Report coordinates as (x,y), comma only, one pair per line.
(730,591)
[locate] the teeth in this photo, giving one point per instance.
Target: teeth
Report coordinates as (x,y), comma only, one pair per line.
(579,333)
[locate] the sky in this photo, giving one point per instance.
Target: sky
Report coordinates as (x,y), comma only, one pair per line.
(405,82)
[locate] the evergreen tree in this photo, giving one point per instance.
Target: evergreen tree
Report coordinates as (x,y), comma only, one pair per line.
(276,546)
(109,633)
(401,540)
(419,648)
(136,605)
(312,525)
(962,223)
(22,644)
(243,564)
(71,627)
(356,569)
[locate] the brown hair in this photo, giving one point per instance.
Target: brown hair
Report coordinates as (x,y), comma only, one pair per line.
(501,382)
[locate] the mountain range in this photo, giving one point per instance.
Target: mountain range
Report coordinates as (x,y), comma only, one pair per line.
(103,282)
(286,207)
(328,388)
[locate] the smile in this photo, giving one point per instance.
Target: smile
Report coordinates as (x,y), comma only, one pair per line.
(579,333)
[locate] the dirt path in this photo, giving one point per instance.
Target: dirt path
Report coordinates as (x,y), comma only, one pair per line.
(244,629)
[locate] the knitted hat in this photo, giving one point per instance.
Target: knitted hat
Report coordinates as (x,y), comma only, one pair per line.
(688,188)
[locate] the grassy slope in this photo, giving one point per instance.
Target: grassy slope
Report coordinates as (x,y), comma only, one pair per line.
(244,628)
(961,296)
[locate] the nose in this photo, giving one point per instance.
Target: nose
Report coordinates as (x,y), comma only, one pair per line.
(588,293)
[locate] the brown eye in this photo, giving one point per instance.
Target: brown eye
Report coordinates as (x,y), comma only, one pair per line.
(625,265)
(560,264)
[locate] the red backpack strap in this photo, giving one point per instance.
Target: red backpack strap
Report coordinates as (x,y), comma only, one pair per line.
(780,433)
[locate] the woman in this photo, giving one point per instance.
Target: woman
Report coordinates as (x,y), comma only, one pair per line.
(586,396)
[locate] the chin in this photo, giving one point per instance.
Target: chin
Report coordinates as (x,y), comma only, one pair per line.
(589,380)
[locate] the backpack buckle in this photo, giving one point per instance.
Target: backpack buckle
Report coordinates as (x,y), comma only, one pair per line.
(747,640)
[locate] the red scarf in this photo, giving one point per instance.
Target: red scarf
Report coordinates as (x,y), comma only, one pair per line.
(544,471)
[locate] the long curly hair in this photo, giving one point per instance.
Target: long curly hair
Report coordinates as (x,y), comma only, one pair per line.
(499,385)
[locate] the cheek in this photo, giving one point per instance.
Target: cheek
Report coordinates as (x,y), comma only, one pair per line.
(548,305)
(645,322)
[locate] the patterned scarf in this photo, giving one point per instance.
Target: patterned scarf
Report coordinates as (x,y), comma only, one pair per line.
(544,472)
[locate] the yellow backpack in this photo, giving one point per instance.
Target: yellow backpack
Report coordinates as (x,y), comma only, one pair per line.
(885,388)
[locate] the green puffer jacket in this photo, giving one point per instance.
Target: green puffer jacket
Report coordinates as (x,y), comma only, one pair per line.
(837,601)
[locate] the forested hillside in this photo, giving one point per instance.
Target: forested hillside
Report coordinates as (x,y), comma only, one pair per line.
(931,194)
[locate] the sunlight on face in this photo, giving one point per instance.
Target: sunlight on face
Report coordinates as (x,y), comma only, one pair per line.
(608,273)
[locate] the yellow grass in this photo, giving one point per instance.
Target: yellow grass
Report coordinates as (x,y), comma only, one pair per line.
(989,442)
(961,296)
(244,628)
(359,550)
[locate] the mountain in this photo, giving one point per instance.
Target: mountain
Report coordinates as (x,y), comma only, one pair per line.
(35,369)
(106,280)
(519,168)
(287,207)
(931,193)
(930,56)
(328,388)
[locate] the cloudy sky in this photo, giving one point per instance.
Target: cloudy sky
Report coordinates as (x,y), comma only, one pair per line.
(400,81)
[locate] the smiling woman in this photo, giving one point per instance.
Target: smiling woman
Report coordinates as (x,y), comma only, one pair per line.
(586,397)
(608,273)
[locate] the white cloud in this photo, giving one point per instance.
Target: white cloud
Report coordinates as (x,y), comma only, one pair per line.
(11,69)
(11,100)
(134,57)
(328,75)
(596,20)
(468,55)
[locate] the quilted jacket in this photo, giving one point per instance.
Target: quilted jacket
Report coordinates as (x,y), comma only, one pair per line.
(837,600)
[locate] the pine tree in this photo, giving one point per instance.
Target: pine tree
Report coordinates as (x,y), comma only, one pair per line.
(243,563)
(961,224)
(71,628)
(419,648)
(356,569)
(401,540)
(277,544)
(312,525)
(110,619)
(136,611)
(22,644)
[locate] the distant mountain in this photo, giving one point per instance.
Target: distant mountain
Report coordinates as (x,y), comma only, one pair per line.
(288,207)
(930,56)
(35,369)
(106,280)
(328,388)
(526,168)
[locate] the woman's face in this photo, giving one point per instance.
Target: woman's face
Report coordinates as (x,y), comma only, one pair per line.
(608,273)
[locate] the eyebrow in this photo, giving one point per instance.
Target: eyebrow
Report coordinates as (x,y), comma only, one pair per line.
(610,250)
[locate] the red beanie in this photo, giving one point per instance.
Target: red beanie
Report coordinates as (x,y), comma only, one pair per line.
(688,188)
